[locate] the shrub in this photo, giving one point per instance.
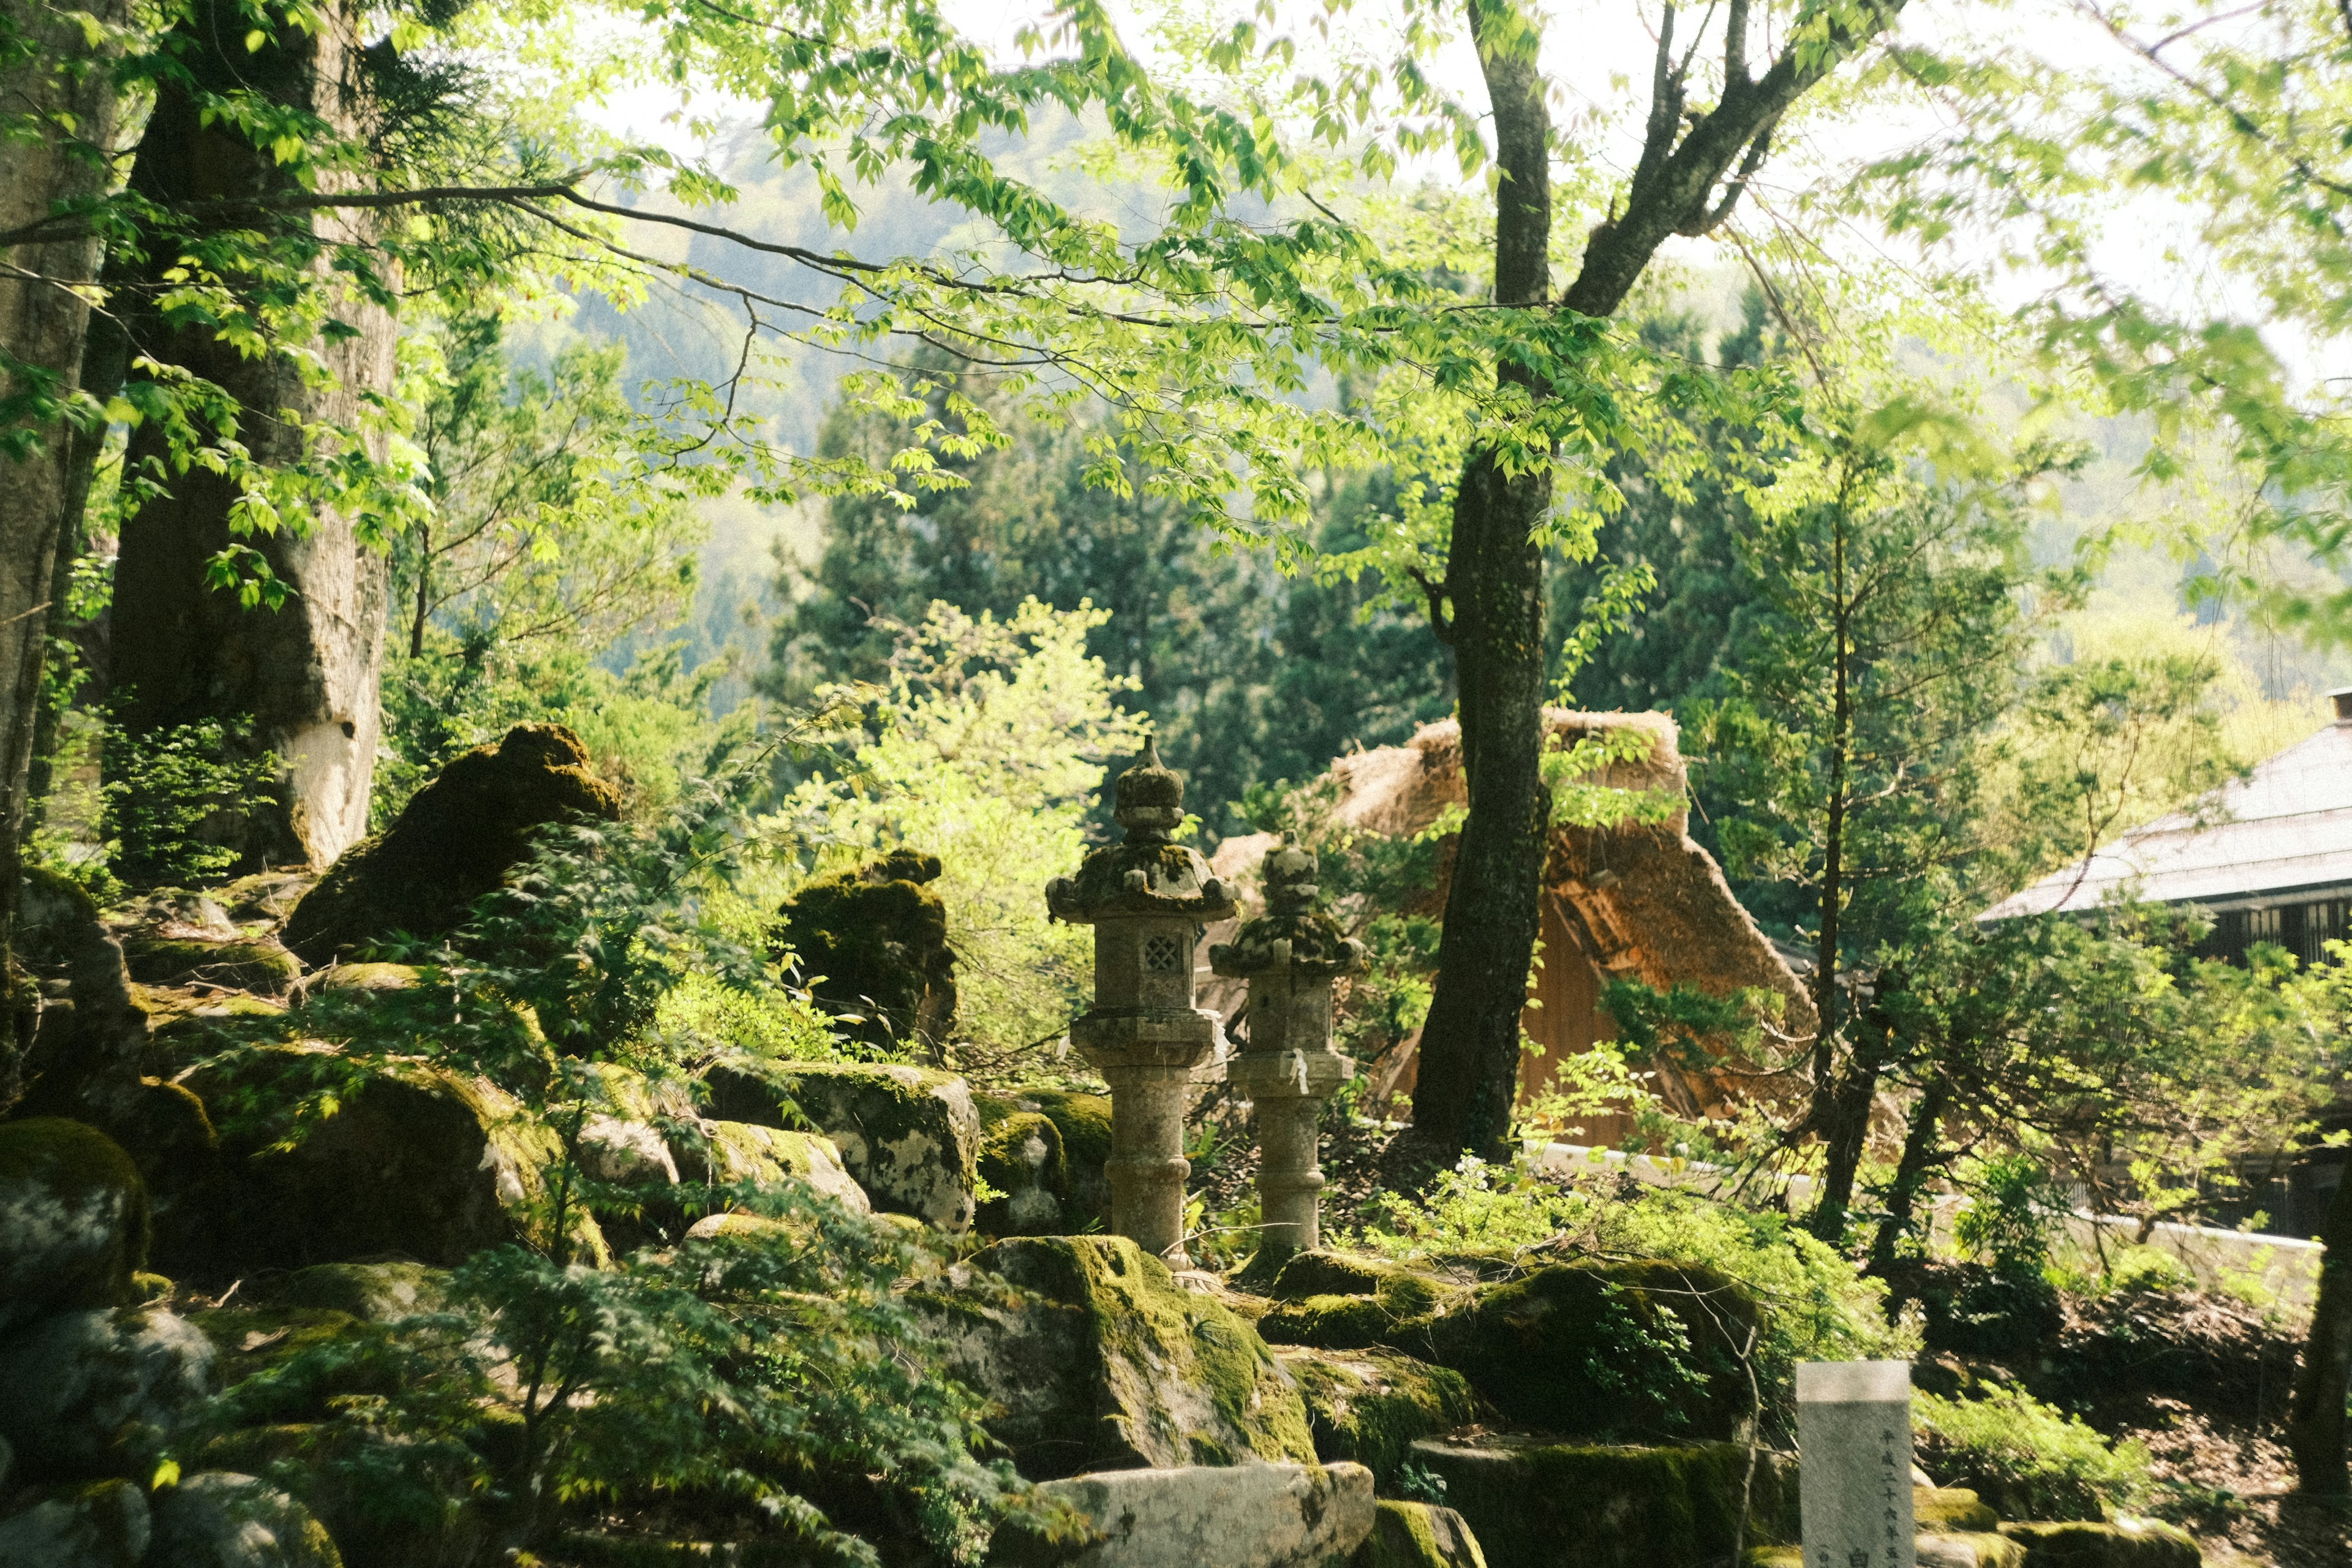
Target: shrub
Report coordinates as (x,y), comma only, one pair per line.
(2028,1459)
(165,788)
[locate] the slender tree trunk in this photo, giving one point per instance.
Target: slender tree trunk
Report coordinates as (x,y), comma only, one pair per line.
(1494,583)
(306,675)
(58,104)
(1842,1125)
(1910,1173)
(2315,1422)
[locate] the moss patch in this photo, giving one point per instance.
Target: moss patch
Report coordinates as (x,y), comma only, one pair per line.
(877,937)
(1950,1511)
(1083,1123)
(1415,1536)
(1371,1406)
(1340,1301)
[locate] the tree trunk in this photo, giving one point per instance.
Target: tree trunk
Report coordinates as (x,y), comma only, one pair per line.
(57,102)
(1910,1173)
(305,675)
(2315,1422)
(1494,583)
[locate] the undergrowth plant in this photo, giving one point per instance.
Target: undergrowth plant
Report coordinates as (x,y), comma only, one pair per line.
(772,1379)
(2028,1459)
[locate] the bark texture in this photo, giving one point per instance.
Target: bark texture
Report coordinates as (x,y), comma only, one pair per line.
(2315,1422)
(1695,164)
(1494,586)
(52,82)
(305,675)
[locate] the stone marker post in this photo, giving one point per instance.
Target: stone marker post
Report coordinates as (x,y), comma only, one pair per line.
(1148,899)
(1853,1463)
(1289,955)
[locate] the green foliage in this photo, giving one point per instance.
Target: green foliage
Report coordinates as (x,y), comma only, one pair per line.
(165,788)
(2014,1205)
(2028,1459)
(986,748)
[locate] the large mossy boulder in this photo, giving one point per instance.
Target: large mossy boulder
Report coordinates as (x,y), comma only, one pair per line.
(874,941)
(218,1519)
(235,963)
(100,1393)
(455,841)
(743,1153)
(1626,1350)
(910,1136)
(2126,1544)
(1536,1505)
(73,1219)
(1371,1406)
(101,1525)
(416,1162)
(1344,1302)
(1251,1516)
(1100,1360)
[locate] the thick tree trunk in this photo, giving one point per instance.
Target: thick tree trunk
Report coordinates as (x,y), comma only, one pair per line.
(305,676)
(2315,1422)
(1494,583)
(57,102)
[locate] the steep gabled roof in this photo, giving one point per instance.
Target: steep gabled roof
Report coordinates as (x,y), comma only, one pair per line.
(1653,903)
(2284,828)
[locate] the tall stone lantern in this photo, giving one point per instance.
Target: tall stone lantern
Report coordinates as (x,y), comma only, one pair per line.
(1148,899)
(1289,955)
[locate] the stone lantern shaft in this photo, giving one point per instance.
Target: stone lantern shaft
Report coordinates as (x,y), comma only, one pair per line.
(1290,955)
(1148,899)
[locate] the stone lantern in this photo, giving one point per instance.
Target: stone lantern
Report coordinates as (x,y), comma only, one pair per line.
(1148,899)
(1289,955)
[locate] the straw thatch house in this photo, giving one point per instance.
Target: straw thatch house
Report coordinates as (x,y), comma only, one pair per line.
(1635,900)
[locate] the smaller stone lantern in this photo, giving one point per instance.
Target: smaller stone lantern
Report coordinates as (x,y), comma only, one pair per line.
(1289,955)
(1148,899)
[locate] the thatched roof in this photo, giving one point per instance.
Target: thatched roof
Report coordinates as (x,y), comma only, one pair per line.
(1647,901)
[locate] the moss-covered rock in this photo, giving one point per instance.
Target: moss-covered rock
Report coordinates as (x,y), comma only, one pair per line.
(100,1393)
(1617,1351)
(1103,1362)
(219,1518)
(1345,1301)
(259,966)
(416,1162)
(1571,1506)
(453,842)
(1419,1535)
(1082,1121)
(373,1292)
(910,1136)
(87,1041)
(73,1219)
(1021,1159)
(1371,1406)
(264,895)
(744,1154)
(383,1503)
(2126,1544)
(103,1524)
(875,941)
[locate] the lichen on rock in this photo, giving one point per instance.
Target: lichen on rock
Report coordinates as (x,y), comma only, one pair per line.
(101,1525)
(1420,1535)
(218,1519)
(100,1393)
(1101,1361)
(910,1136)
(1021,1158)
